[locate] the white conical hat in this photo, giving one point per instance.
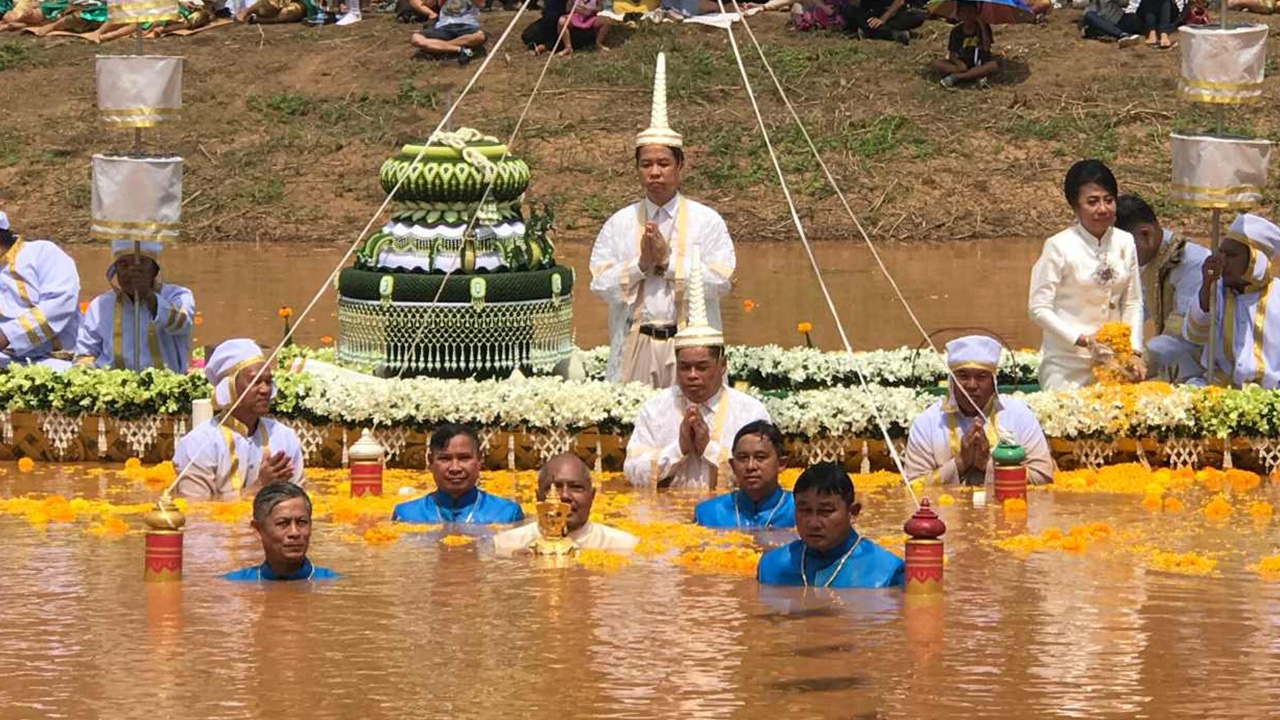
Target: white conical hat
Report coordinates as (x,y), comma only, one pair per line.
(659,131)
(697,332)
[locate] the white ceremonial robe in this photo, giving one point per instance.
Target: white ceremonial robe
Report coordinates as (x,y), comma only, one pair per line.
(653,452)
(933,443)
(591,536)
(616,277)
(224,461)
(1070,297)
(1249,332)
(1170,286)
(39,296)
(108,339)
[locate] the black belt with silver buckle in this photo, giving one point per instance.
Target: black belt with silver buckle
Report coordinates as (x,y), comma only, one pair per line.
(659,332)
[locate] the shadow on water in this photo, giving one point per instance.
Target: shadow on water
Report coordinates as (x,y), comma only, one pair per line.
(818,651)
(778,618)
(818,685)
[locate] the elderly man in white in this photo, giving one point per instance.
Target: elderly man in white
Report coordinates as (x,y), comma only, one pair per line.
(684,434)
(951,441)
(640,260)
(248,450)
(39,296)
(571,479)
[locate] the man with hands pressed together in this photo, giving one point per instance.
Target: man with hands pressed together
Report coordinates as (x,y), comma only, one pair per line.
(249,450)
(640,263)
(951,441)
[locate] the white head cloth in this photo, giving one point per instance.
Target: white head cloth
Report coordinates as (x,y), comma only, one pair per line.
(1263,240)
(974,351)
(659,131)
(120,248)
(226,361)
(4,221)
(698,331)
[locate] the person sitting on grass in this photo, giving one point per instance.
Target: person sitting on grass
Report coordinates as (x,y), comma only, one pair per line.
(583,18)
(880,19)
(969,55)
(456,32)
(1107,20)
(23,14)
(270,12)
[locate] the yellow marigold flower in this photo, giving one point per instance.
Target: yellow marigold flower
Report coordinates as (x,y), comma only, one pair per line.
(805,328)
(1260,511)
(748,306)
(736,561)
(1268,568)
(1073,544)
(1152,503)
(84,307)
(326,339)
(1052,533)
(199,319)
(1181,563)
(1174,505)
(601,560)
(382,534)
(945,500)
(110,527)
(457,540)
(284,312)
(26,464)
(1014,506)
(1218,508)
(1243,480)
(132,463)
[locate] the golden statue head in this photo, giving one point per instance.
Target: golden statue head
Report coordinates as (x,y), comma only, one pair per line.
(553,516)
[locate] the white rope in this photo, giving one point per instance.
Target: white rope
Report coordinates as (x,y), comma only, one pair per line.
(875,254)
(324,287)
(822,283)
(488,188)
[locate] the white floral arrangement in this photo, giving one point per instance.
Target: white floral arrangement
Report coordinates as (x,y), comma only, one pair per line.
(772,367)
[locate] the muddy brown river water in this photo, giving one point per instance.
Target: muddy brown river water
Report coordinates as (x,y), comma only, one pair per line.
(418,630)
(239,288)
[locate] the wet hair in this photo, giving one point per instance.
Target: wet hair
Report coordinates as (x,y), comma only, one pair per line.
(1132,211)
(764,429)
(826,478)
(1088,172)
(447,432)
(677,152)
(272,494)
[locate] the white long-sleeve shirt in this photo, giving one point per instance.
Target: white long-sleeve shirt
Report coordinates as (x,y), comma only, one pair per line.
(934,442)
(1249,327)
(1079,283)
(164,340)
(39,296)
(616,276)
(653,452)
(222,463)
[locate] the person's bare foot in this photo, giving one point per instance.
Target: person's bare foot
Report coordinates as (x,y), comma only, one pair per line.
(539,49)
(565,52)
(605,49)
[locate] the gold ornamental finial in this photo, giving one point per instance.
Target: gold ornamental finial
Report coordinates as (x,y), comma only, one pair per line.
(553,526)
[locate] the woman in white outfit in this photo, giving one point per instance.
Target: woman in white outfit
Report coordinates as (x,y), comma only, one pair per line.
(1087,275)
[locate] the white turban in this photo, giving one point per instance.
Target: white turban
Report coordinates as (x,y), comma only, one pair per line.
(227,360)
(974,351)
(1262,238)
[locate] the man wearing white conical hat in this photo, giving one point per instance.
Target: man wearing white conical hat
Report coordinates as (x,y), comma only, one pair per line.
(951,441)
(165,314)
(39,292)
(248,450)
(640,260)
(684,434)
(1248,307)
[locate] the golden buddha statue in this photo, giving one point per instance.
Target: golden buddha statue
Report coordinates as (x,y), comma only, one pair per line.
(553,526)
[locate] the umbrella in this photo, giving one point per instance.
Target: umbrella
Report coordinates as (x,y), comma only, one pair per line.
(995,12)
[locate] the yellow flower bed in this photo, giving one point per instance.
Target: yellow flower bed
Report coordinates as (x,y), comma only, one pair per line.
(601,560)
(731,560)
(1268,568)
(1188,563)
(1076,540)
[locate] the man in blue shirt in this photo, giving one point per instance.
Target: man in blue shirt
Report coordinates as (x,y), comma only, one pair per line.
(829,552)
(758,502)
(282,519)
(454,457)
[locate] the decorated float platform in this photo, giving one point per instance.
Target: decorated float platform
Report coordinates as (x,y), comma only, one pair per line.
(813,396)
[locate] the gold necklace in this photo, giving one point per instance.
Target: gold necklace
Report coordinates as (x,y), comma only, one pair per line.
(830,578)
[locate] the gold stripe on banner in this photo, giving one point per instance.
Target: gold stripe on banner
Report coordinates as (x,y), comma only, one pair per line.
(133,225)
(137,236)
(1219,192)
(139,111)
(1194,96)
(1209,85)
(1217,204)
(144,121)
(141,19)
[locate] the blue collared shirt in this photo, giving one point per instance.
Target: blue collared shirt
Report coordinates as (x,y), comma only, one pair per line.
(867,566)
(475,506)
(737,510)
(258,573)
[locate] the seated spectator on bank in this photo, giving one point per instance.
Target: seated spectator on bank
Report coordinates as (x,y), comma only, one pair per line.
(585,31)
(508,5)
(1108,20)
(23,14)
(677,10)
(1157,18)
(881,19)
(969,57)
(414,11)
(1261,7)
(456,32)
(815,15)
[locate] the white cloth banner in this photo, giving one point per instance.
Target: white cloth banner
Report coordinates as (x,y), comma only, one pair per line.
(1224,173)
(1222,66)
(136,91)
(136,198)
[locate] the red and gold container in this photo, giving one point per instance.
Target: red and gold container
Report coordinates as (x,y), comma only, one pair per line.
(163,555)
(924,551)
(365,462)
(1010,471)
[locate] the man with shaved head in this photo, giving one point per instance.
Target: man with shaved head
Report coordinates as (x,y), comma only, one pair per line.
(572,480)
